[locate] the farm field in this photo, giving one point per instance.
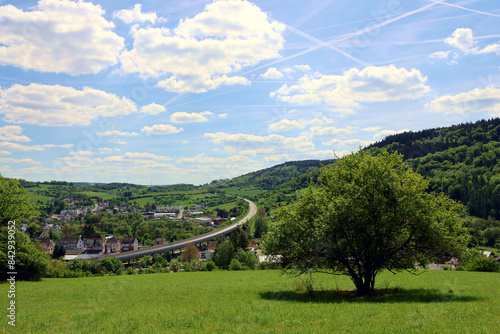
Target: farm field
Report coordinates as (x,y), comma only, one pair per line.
(257,302)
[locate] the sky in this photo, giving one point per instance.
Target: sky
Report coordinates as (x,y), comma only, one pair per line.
(189,91)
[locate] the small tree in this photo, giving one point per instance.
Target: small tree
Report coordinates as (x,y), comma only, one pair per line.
(190,253)
(223,255)
(368,213)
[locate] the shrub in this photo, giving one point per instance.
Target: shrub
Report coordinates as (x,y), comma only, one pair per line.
(235,265)
(209,266)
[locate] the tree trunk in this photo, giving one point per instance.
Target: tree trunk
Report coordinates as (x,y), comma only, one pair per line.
(365,285)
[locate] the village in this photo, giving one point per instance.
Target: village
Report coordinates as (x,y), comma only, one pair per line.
(97,245)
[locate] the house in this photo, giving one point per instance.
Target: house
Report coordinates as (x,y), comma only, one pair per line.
(72,254)
(47,245)
(23,228)
(129,244)
(44,235)
(159,241)
(488,253)
(218,220)
(207,255)
(71,243)
(95,242)
(112,245)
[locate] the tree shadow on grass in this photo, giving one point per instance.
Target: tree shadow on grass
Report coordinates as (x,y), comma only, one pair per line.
(396,295)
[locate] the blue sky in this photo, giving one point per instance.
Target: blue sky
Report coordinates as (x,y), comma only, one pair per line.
(186,91)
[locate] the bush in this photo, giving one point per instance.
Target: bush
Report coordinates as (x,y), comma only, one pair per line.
(175,266)
(246,258)
(235,265)
(209,266)
(130,271)
(474,260)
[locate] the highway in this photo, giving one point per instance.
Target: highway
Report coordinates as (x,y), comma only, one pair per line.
(183,243)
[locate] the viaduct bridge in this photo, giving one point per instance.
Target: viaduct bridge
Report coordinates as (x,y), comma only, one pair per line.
(183,243)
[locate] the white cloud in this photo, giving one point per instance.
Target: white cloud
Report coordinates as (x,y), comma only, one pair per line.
(286,124)
(202,159)
(476,100)
(384,133)
(371,129)
(60,105)
(153,109)
(184,117)
(4,152)
(202,52)
(20,161)
(135,15)
(161,129)
(463,39)
(118,141)
(12,133)
(223,115)
(331,131)
(107,150)
(371,84)
(7,146)
(133,156)
(348,142)
(82,153)
(272,74)
(58,36)
(251,143)
(117,133)
(440,55)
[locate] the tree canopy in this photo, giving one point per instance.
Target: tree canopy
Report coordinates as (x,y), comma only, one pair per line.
(14,202)
(366,214)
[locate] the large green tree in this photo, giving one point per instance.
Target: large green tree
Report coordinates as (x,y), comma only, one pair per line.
(15,204)
(366,214)
(17,252)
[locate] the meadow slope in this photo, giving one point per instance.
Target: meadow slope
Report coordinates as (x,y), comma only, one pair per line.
(256,301)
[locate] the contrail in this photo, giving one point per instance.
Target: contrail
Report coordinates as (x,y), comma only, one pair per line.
(322,43)
(464,8)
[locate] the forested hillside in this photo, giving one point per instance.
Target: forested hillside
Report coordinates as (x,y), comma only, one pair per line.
(462,161)
(272,177)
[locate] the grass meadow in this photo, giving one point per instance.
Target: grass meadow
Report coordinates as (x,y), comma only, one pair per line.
(257,302)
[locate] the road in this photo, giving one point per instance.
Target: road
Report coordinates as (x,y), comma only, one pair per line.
(183,243)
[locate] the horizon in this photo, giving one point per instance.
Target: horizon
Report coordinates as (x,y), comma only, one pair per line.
(196,91)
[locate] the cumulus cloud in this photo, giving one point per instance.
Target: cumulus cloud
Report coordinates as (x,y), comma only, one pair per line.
(272,74)
(153,109)
(202,52)
(286,124)
(20,161)
(476,100)
(330,131)
(117,133)
(161,129)
(135,15)
(60,105)
(371,84)
(384,133)
(273,143)
(348,142)
(202,159)
(184,117)
(440,55)
(8,146)
(12,133)
(463,39)
(58,36)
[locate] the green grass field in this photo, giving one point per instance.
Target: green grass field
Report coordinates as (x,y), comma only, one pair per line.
(256,302)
